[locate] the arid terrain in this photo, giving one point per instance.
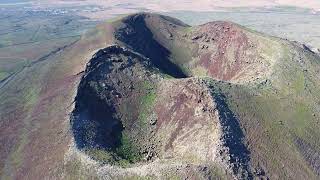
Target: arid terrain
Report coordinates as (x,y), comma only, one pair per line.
(147,96)
(95,90)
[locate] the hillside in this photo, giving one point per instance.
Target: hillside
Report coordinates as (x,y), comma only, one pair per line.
(147,96)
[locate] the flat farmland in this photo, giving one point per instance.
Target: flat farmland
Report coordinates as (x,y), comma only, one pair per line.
(27,36)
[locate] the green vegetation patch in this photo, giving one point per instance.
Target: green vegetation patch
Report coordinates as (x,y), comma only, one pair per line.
(301,117)
(124,155)
(299,82)
(146,103)
(100,155)
(127,151)
(188,29)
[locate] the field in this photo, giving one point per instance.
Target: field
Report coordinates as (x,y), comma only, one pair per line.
(27,36)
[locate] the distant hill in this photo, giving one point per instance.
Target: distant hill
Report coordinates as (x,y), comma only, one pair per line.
(200,5)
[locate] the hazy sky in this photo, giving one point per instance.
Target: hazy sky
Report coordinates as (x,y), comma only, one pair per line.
(195,5)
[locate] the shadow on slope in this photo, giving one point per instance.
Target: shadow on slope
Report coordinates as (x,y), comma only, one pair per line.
(233,138)
(105,121)
(136,34)
(96,122)
(93,122)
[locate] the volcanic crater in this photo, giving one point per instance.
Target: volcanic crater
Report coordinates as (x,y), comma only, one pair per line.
(136,102)
(158,94)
